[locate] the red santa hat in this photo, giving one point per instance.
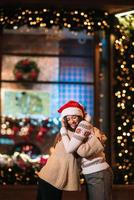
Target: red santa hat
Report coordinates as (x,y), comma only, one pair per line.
(72,108)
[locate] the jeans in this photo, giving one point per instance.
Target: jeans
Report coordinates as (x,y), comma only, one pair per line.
(99,185)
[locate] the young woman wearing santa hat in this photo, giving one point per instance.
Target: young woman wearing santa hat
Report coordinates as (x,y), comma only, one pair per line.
(97,172)
(61,171)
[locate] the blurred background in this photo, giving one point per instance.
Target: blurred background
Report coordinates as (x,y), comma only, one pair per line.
(53,52)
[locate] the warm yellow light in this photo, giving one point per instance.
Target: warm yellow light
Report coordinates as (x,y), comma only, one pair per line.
(126,176)
(128,134)
(124,133)
(15,27)
(122,66)
(4,126)
(76,12)
(124,13)
(118,141)
(82,13)
(9,131)
(120,137)
(124,124)
(119,128)
(69,25)
(44,10)
(42,25)
(129,97)
(89,27)
(51,21)
(126,84)
(106,13)
(120,154)
(57,14)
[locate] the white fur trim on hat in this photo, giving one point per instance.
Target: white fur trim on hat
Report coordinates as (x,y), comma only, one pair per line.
(71,111)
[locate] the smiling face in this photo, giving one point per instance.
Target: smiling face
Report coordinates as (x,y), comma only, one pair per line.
(72,121)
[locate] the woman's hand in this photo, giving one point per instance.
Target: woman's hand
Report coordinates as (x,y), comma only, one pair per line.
(63,124)
(63,130)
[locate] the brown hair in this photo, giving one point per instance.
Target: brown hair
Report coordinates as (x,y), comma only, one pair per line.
(57,139)
(67,125)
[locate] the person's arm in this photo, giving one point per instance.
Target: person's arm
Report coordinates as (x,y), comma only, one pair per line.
(90,147)
(81,133)
(94,146)
(71,144)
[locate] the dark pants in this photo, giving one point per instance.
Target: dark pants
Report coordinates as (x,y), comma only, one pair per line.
(99,185)
(46,191)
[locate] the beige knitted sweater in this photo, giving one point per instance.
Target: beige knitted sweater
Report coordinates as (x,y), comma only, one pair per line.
(61,169)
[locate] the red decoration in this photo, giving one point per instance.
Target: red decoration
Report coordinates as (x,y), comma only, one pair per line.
(40,134)
(19,75)
(43,161)
(15,129)
(33,75)
(26,70)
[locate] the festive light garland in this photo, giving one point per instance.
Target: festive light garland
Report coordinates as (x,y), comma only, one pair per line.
(74,20)
(124,106)
(20,168)
(24,128)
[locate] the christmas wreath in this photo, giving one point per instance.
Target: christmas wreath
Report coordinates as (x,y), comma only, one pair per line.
(26,70)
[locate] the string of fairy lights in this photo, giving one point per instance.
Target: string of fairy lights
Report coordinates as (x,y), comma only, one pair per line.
(74,20)
(91,21)
(124,95)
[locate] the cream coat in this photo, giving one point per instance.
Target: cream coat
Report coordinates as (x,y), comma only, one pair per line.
(61,169)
